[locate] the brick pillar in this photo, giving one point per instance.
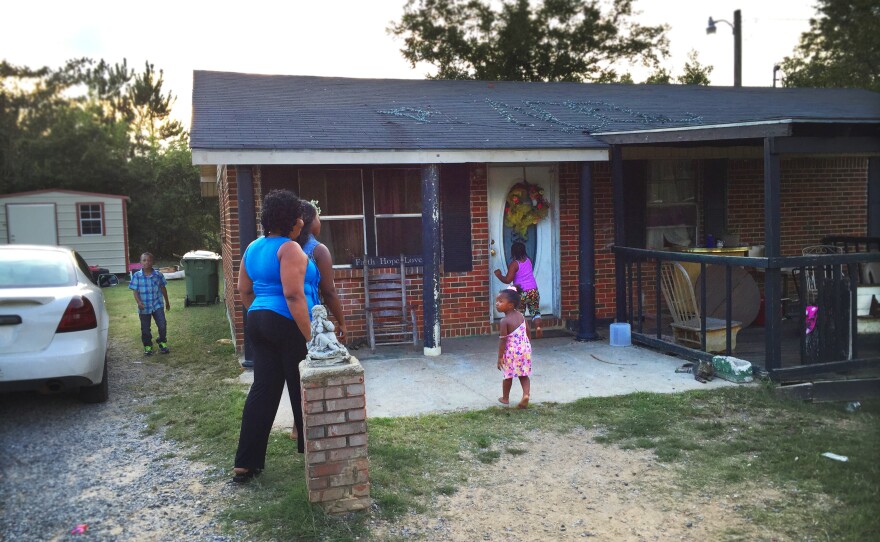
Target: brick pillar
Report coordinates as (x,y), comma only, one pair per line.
(334,410)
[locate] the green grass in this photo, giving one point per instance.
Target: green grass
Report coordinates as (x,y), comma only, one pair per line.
(725,441)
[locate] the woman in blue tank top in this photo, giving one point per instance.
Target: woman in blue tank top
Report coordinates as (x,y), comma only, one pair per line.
(271,281)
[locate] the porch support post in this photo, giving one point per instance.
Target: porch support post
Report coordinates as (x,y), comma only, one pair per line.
(873,197)
(619,234)
(772,249)
(587,259)
(431,258)
(247,232)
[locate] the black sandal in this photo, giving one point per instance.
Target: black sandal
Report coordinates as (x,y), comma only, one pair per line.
(247,476)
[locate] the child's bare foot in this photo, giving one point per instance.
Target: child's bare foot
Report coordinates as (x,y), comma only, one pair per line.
(504,400)
(539,332)
(293,435)
(524,402)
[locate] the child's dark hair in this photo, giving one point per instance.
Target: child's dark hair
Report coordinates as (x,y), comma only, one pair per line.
(308,215)
(511,296)
(280,210)
(518,251)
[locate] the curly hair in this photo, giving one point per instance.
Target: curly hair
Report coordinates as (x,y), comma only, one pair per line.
(518,251)
(308,215)
(511,296)
(281,209)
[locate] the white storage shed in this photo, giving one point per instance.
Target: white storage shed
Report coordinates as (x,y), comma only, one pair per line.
(95,225)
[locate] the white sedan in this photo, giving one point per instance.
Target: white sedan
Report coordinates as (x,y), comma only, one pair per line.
(53,323)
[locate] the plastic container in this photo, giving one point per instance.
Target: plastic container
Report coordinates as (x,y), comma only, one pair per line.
(621,334)
(732,369)
(202,277)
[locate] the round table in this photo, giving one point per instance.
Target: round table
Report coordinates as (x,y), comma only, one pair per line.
(744,291)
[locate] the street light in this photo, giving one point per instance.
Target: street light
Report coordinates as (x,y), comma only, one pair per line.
(737,43)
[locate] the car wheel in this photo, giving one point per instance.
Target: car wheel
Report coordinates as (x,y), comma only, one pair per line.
(99,393)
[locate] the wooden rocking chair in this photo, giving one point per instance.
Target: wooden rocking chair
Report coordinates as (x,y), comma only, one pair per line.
(678,292)
(390,319)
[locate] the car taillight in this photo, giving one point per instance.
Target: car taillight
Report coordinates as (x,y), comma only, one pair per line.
(80,315)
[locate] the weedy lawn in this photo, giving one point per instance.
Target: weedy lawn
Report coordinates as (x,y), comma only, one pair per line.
(723,441)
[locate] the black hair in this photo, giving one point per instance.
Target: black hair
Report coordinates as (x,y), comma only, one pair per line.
(518,251)
(308,215)
(511,296)
(281,209)
(150,254)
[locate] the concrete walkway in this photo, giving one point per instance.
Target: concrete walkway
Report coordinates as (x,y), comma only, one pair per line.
(401,381)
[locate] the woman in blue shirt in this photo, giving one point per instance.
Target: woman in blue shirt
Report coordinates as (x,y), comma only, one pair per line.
(271,284)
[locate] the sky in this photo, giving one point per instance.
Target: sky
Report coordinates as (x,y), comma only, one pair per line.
(343,38)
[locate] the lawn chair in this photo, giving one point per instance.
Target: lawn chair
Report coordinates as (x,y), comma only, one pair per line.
(678,292)
(390,319)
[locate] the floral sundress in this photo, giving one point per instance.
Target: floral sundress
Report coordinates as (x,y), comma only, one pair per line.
(518,355)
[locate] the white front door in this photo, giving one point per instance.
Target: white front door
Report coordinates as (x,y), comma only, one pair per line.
(541,240)
(31,224)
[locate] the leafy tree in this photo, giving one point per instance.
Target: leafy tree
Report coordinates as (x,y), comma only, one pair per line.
(96,127)
(660,76)
(841,49)
(167,214)
(694,72)
(555,40)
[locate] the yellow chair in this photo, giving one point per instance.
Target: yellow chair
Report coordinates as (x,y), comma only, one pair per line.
(678,292)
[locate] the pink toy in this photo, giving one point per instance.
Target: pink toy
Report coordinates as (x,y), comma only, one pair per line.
(810,320)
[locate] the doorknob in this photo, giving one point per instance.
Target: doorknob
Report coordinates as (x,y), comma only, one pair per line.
(491,244)
(492,252)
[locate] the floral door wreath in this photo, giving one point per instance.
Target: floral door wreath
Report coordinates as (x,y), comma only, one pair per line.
(525,205)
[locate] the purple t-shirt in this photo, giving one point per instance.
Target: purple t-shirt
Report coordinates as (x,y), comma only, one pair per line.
(524,278)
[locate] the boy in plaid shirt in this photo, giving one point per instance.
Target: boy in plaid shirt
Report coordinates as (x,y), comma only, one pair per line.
(147,284)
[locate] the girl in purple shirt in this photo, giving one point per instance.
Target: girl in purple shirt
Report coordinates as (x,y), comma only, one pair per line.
(519,272)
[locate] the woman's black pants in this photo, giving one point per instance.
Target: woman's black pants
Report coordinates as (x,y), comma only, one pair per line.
(278,347)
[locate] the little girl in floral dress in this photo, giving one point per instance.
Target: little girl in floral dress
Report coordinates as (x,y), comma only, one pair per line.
(514,348)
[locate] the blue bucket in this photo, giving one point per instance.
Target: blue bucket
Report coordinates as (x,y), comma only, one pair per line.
(620,334)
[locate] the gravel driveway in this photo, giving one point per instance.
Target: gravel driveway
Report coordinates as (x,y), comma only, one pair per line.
(64,463)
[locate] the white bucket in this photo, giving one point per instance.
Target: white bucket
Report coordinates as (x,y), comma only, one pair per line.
(620,334)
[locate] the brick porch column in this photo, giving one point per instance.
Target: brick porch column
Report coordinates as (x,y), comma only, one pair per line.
(334,410)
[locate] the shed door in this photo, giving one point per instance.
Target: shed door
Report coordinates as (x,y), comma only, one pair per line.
(32,224)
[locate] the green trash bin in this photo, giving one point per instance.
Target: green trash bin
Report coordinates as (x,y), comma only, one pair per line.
(201,270)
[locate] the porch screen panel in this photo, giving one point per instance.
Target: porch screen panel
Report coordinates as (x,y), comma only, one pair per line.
(397,195)
(455,202)
(340,195)
(672,208)
(715,198)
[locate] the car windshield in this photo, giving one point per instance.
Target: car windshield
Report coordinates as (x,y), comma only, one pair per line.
(29,268)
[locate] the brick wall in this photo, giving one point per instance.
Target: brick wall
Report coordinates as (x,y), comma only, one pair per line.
(230,246)
(819,197)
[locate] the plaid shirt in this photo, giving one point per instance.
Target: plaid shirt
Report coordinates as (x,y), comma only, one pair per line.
(148,287)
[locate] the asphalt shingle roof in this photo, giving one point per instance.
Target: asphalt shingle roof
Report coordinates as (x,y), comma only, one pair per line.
(274,112)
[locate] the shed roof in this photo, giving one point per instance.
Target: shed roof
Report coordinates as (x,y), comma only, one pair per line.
(247,112)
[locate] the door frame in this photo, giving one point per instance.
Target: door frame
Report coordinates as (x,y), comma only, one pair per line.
(553,225)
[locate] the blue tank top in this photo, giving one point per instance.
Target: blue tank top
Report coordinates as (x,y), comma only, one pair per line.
(264,268)
(313,275)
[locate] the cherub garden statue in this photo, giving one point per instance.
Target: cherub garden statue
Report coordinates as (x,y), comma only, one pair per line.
(324,347)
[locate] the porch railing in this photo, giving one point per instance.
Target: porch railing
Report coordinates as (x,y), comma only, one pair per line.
(838,276)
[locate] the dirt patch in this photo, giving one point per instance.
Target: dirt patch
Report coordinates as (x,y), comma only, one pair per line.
(569,487)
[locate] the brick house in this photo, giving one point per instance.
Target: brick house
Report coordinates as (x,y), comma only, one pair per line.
(422,168)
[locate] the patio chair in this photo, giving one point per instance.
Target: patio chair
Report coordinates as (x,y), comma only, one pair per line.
(390,319)
(678,292)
